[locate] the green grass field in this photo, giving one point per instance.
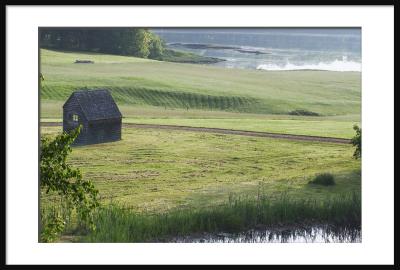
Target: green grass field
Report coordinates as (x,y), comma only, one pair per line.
(135,81)
(158,171)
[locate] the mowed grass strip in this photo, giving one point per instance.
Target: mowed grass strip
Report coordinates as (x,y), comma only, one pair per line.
(165,99)
(159,170)
(323,128)
(338,127)
(327,126)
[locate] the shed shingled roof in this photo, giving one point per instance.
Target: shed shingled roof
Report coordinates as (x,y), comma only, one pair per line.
(96,104)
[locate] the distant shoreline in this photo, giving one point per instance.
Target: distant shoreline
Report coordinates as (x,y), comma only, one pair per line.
(269,59)
(216,47)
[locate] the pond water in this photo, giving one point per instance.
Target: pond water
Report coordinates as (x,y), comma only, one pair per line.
(318,234)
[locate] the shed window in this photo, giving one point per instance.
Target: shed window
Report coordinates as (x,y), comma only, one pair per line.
(75,118)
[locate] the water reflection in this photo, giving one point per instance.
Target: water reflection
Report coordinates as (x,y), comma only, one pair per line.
(320,234)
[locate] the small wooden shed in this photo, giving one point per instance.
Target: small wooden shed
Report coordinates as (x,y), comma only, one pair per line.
(98,114)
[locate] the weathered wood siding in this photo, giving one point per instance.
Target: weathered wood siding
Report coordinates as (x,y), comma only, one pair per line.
(71,108)
(98,114)
(107,130)
(92,132)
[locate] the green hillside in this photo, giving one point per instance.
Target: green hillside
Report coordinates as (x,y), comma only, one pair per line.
(136,81)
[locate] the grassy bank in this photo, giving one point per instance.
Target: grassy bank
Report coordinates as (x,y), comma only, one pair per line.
(115,224)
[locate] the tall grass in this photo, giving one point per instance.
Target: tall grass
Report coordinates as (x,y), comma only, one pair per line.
(57,213)
(55,216)
(115,224)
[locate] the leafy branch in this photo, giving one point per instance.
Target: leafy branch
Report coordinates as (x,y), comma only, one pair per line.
(58,176)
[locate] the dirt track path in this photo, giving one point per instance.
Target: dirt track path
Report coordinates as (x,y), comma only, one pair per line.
(230,131)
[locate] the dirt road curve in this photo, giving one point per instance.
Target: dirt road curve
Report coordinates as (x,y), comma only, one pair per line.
(230,131)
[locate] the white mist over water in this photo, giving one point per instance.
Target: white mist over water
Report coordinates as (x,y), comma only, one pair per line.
(336,65)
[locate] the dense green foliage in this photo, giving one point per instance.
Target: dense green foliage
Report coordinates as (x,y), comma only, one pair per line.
(123,41)
(57,176)
(356,141)
(324,179)
(156,47)
(116,224)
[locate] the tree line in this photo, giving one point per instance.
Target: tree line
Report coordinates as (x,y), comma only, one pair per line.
(130,41)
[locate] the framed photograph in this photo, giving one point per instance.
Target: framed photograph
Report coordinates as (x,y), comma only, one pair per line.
(205,135)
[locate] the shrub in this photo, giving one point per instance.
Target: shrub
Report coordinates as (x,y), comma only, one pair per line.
(303,112)
(356,141)
(325,179)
